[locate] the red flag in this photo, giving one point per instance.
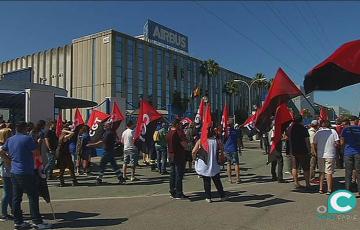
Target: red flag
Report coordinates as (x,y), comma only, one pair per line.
(145,126)
(116,116)
(225,121)
(59,125)
(250,121)
(282,118)
(199,114)
(186,120)
(96,124)
(281,91)
(78,120)
(340,69)
(324,114)
(205,129)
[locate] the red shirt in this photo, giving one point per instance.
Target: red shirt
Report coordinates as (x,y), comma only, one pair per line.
(175,148)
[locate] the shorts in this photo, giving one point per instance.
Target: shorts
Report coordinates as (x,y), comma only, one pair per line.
(302,161)
(131,157)
(232,158)
(326,165)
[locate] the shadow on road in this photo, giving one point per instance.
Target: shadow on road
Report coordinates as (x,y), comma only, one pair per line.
(271,202)
(75,219)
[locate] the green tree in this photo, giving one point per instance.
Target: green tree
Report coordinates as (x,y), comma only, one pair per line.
(261,85)
(209,69)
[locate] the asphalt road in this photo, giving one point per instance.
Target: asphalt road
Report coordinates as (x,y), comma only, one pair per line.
(255,204)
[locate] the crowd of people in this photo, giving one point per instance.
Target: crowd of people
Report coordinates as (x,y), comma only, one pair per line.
(176,147)
(318,147)
(29,152)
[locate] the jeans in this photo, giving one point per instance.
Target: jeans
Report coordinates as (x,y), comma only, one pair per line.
(108,157)
(351,163)
(29,185)
(218,185)
(161,159)
(51,164)
(176,177)
(279,162)
(7,195)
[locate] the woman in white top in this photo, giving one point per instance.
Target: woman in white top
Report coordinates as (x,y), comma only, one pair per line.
(210,169)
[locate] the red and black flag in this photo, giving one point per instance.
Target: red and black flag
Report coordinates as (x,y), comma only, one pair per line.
(78,120)
(186,121)
(207,123)
(59,124)
(96,124)
(283,118)
(323,114)
(225,121)
(200,113)
(145,127)
(281,91)
(116,116)
(340,69)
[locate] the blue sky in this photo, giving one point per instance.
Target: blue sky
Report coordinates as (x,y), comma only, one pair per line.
(295,35)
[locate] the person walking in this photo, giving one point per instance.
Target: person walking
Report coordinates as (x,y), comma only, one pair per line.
(131,153)
(231,149)
(278,160)
(177,142)
(350,139)
(325,143)
(313,161)
(209,170)
(51,143)
(189,133)
(64,156)
(300,150)
(83,151)
(108,143)
(5,168)
(18,150)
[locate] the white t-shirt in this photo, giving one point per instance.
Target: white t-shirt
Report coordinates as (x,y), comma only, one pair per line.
(312,132)
(127,138)
(325,140)
(212,167)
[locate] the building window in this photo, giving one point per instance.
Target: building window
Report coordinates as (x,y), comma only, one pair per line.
(140,55)
(159,65)
(167,72)
(118,65)
(150,71)
(130,65)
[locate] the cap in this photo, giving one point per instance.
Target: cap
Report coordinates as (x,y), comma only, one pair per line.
(314,122)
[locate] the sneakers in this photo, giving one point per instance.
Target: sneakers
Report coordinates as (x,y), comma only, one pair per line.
(42,226)
(134,179)
(23,225)
(208,200)
(6,218)
(121,180)
(98,181)
(181,197)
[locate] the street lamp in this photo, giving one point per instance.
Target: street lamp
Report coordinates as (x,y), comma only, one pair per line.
(249,88)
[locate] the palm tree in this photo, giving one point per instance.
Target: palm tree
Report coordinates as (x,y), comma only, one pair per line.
(208,69)
(260,84)
(231,88)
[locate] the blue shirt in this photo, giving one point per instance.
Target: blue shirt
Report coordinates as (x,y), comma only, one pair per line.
(231,144)
(351,137)
(20,149)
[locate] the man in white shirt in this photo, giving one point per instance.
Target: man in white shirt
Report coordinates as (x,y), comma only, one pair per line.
(324,144)
(131,155)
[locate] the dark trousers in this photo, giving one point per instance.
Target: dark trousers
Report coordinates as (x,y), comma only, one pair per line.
(176,177)
(266,145)
(351,163)
(279,162)
(218,185)
(29,185)
(67,164)
(51,164)
(108,157)
(161,159)
(7,195)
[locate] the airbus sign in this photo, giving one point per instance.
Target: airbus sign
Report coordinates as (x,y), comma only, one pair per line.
(164,35)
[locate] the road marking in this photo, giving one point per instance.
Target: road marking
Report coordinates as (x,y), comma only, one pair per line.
(142,196)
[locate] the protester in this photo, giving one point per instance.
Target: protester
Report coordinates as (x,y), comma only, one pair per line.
(108,143)
(176,143)
(300,150)
(64,156)
(324,144)
(313,162)
(161,148)
(83,151)
(19,151)
(189,133)
(6,200)
(238,129)
(131,153)
(231,148)
(350,138)
(278,160)
(340,149)
(72,146)
(51,143)
(209,170)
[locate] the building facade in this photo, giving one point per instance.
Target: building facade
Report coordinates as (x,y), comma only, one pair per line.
(114,64)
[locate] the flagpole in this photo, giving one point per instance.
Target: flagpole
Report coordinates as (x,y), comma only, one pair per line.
(308,100)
